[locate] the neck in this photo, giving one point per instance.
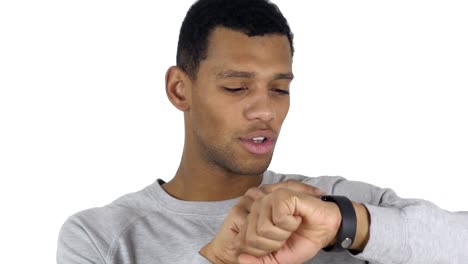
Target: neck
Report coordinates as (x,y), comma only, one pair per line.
(195,182)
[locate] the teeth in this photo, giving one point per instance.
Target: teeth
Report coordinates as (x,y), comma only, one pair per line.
(259,139)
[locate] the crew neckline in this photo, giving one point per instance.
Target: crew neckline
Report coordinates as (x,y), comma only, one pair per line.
(175,205)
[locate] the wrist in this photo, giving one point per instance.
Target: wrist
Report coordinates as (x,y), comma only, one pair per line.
(362,228)
(336,223)
(345,232)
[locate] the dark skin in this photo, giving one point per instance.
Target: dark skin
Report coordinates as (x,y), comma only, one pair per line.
(216,118)
(241,91)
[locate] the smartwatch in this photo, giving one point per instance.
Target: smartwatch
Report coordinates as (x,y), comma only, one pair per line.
(347,231)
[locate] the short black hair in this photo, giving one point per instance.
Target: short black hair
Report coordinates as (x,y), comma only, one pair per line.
(251,17)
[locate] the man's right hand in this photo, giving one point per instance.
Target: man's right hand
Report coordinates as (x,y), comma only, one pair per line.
(228,243)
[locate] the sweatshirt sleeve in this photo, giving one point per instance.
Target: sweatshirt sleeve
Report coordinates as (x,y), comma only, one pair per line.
(408,231)
(75,246)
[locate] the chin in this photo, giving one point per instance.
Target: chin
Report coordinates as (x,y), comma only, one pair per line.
(238,162)
(249,172)
(251,168)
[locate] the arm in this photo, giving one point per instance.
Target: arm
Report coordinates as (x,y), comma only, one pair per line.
(75,246)
(408,230)
(395,230)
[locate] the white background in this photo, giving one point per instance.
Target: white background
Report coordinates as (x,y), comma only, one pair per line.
(380,96)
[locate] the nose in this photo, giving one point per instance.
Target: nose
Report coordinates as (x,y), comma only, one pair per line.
(261,107)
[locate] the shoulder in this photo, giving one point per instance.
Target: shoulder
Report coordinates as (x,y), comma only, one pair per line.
(93,231)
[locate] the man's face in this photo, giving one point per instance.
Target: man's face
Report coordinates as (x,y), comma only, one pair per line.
(240,99)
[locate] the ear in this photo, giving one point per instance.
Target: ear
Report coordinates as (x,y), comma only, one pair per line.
(178,88)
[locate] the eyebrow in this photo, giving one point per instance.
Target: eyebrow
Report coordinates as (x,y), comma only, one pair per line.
(244,74)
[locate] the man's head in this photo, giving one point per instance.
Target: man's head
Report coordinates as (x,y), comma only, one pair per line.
(251,17)
(232,83)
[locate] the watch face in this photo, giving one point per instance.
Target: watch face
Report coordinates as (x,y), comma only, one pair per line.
(346,243)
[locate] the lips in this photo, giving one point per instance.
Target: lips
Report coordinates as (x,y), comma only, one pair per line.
(259,142)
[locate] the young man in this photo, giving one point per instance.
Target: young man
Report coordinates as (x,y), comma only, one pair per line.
(234,69)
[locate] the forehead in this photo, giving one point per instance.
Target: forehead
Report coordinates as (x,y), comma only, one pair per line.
(232,49)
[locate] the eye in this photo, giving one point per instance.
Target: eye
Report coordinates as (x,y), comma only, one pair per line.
(281,91)
(235,89)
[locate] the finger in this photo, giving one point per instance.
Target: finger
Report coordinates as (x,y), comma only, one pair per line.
(238,213)
(245,202)
(252,238)
(260,246)
(240,242)
(295,186)
(256,193)
(265,226)
(289,223)
(284,209)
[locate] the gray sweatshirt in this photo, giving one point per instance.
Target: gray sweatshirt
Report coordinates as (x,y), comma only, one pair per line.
(150,226)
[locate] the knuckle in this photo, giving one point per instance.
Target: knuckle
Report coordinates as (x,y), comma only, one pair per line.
(292,183)
(245,202)
(280,221)
(263,189)
(252,241)
(253,192)
(263,230)
(252,189)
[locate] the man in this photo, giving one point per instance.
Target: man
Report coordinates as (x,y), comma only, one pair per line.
(232,79)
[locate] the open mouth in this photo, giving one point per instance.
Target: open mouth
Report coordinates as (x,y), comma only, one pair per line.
(259,145)
(259,140)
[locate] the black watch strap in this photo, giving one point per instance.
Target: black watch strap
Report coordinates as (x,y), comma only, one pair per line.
(347,232)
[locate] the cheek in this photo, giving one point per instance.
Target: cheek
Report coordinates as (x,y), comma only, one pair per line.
(285,106)
(222,121)
(282,109)
(211,118)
